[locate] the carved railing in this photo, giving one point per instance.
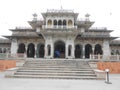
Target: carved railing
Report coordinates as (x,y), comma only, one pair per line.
(106,58)
(12,56)
(98,28)
(20,27)
(58,27)
(92,57)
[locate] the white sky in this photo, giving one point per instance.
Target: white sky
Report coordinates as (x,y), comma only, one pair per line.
(14,13)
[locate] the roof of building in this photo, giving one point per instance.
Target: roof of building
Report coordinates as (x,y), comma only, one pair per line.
(2,40)
(115,43)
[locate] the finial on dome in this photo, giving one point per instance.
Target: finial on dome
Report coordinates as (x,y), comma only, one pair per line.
(34,17)
(87,16)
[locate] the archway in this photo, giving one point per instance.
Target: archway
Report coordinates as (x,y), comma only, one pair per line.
(49,22)
(40,50)
(98,49)
(88,50)
(64,22)
(21,48)
(78,51)
(59,49)
(31,50)
(55,22)
(59,22)
(70,23)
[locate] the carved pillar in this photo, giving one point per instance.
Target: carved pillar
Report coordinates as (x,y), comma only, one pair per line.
(73,50)
(14,46)
(66,50)
(45,48)
(106,50)
(52,50)
(83,51)
(93,49)
(35,51)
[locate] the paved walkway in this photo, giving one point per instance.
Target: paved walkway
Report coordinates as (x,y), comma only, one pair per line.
(48,84)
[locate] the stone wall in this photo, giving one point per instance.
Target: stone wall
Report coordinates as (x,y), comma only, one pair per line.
(6,64)
(114,67)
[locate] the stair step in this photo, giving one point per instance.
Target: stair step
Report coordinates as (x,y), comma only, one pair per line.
(55,69)
(67,71)
(54,77)
(71,69)
(54,74)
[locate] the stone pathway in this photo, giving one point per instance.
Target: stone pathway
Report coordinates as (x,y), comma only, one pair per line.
(55,84)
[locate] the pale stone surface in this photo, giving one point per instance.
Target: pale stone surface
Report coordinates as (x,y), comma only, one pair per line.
(49,84)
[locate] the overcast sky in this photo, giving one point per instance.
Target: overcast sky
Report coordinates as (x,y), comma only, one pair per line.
(14,13)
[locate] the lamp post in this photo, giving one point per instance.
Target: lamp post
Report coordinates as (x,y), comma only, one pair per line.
(107,77)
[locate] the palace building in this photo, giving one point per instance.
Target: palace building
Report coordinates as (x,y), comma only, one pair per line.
(61,35)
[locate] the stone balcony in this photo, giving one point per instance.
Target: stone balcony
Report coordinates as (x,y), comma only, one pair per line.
(58,27)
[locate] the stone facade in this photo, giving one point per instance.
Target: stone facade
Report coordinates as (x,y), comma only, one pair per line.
(61,35)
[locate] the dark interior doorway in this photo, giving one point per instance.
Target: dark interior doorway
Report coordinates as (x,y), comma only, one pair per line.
(59,49)
(31,50)
(88,50)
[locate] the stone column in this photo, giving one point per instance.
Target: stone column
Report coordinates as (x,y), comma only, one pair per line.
(45,48)
(83,51)
(52,50)
(26,51)
(14,46)
(49,41)
(35,51)
(93,48)
(106,50)
(73,50)
(66,50)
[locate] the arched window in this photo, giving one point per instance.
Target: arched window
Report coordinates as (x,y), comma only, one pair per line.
(49,50)
(70,23)
(59,22)
(55,22)
(64,22)
(49,22)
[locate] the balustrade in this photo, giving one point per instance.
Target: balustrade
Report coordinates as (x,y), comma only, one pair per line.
(58,27)
(92,57)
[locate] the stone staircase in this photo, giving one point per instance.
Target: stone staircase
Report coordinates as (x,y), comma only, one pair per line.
(55,69)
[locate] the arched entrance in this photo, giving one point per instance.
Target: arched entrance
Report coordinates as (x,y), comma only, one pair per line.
(59,22)
(88,50)
(78,51)
(98,49)
(40,51)
(55,22)
(31,50)
(59,49)
(21,48)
